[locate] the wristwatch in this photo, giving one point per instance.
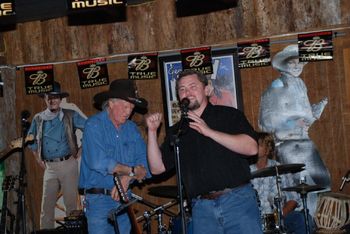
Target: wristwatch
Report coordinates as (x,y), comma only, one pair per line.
(132,172)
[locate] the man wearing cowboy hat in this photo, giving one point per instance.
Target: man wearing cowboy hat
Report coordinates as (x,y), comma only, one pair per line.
(55,148)
(111,144)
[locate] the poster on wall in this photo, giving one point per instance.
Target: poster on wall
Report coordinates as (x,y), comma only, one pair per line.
(316,46)
(38,79)
(254,53)
(92,74)
(143,66)
(225,82)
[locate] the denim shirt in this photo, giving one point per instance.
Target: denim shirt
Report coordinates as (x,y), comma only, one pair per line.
(104,146)
(54,142)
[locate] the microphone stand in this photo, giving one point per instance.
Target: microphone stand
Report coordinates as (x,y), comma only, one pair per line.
(21,212)
(175,143)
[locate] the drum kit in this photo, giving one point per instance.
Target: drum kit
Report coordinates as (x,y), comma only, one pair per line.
(273,223)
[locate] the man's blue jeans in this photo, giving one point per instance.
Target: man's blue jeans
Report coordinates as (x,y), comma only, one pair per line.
(234,212)
(98,208)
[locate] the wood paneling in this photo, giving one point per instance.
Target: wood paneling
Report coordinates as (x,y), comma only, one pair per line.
(155,27)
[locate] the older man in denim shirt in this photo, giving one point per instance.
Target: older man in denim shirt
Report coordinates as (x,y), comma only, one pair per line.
(111,144)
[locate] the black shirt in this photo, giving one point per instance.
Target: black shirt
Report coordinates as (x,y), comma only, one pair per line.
(206,165)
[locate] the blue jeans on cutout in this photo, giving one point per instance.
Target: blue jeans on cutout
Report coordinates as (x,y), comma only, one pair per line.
(98,207)
(235,212)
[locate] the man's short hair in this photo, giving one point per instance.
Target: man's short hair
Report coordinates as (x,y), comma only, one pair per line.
(202,78)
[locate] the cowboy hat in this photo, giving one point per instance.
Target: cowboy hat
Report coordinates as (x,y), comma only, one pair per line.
(123,89)
(279,61)
(55,91)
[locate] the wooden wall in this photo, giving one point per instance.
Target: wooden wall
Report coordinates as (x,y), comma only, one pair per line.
(154,27)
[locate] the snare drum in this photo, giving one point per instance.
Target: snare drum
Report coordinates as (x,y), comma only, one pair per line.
(333,211)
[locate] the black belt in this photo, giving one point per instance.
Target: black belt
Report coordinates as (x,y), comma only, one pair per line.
(214,195)
(58,159)
(95,191)
(217,194)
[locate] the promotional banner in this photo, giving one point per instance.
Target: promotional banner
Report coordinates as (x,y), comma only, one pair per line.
(7,12)
(198,59)
(316,46)
(96,11)
(38,79)
(92,75)
(254,53)
(143,66)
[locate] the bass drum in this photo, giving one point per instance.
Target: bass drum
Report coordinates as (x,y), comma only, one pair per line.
(175,225)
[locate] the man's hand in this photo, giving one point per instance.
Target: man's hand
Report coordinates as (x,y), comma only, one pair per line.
(153,121)
(140,173)
(198,124)
(42,164)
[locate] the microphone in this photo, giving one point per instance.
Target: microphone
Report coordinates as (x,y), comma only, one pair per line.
(344,179)
(184,103)
(25,115)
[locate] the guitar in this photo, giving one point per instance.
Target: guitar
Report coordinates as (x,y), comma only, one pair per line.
(7,185)
(15,146)
(124,198)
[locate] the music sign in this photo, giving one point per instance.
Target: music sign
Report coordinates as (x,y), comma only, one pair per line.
(315,46)
(7,12)
(198,59)
(82,12)
(38,79)
(143,66)
(254,53)
(92,74)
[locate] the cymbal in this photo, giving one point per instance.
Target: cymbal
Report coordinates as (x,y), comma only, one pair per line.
(303,188)
(282,169)
(167,191)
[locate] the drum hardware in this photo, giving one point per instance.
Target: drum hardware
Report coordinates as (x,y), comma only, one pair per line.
(276,171)
(281,169)
(333,213)
(344,179)
(157,211)
(303,189)
(278,201)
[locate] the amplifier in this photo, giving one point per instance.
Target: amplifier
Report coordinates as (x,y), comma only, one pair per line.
(75,223)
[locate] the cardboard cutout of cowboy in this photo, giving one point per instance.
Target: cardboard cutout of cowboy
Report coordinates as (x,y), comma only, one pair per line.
(285,111)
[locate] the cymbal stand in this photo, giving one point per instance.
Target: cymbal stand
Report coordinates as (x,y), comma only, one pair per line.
(20,224)
(303,196)
(147,224)
(278,203)
(161,227)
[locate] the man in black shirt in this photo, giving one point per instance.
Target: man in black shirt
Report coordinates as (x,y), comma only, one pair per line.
(215,143)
